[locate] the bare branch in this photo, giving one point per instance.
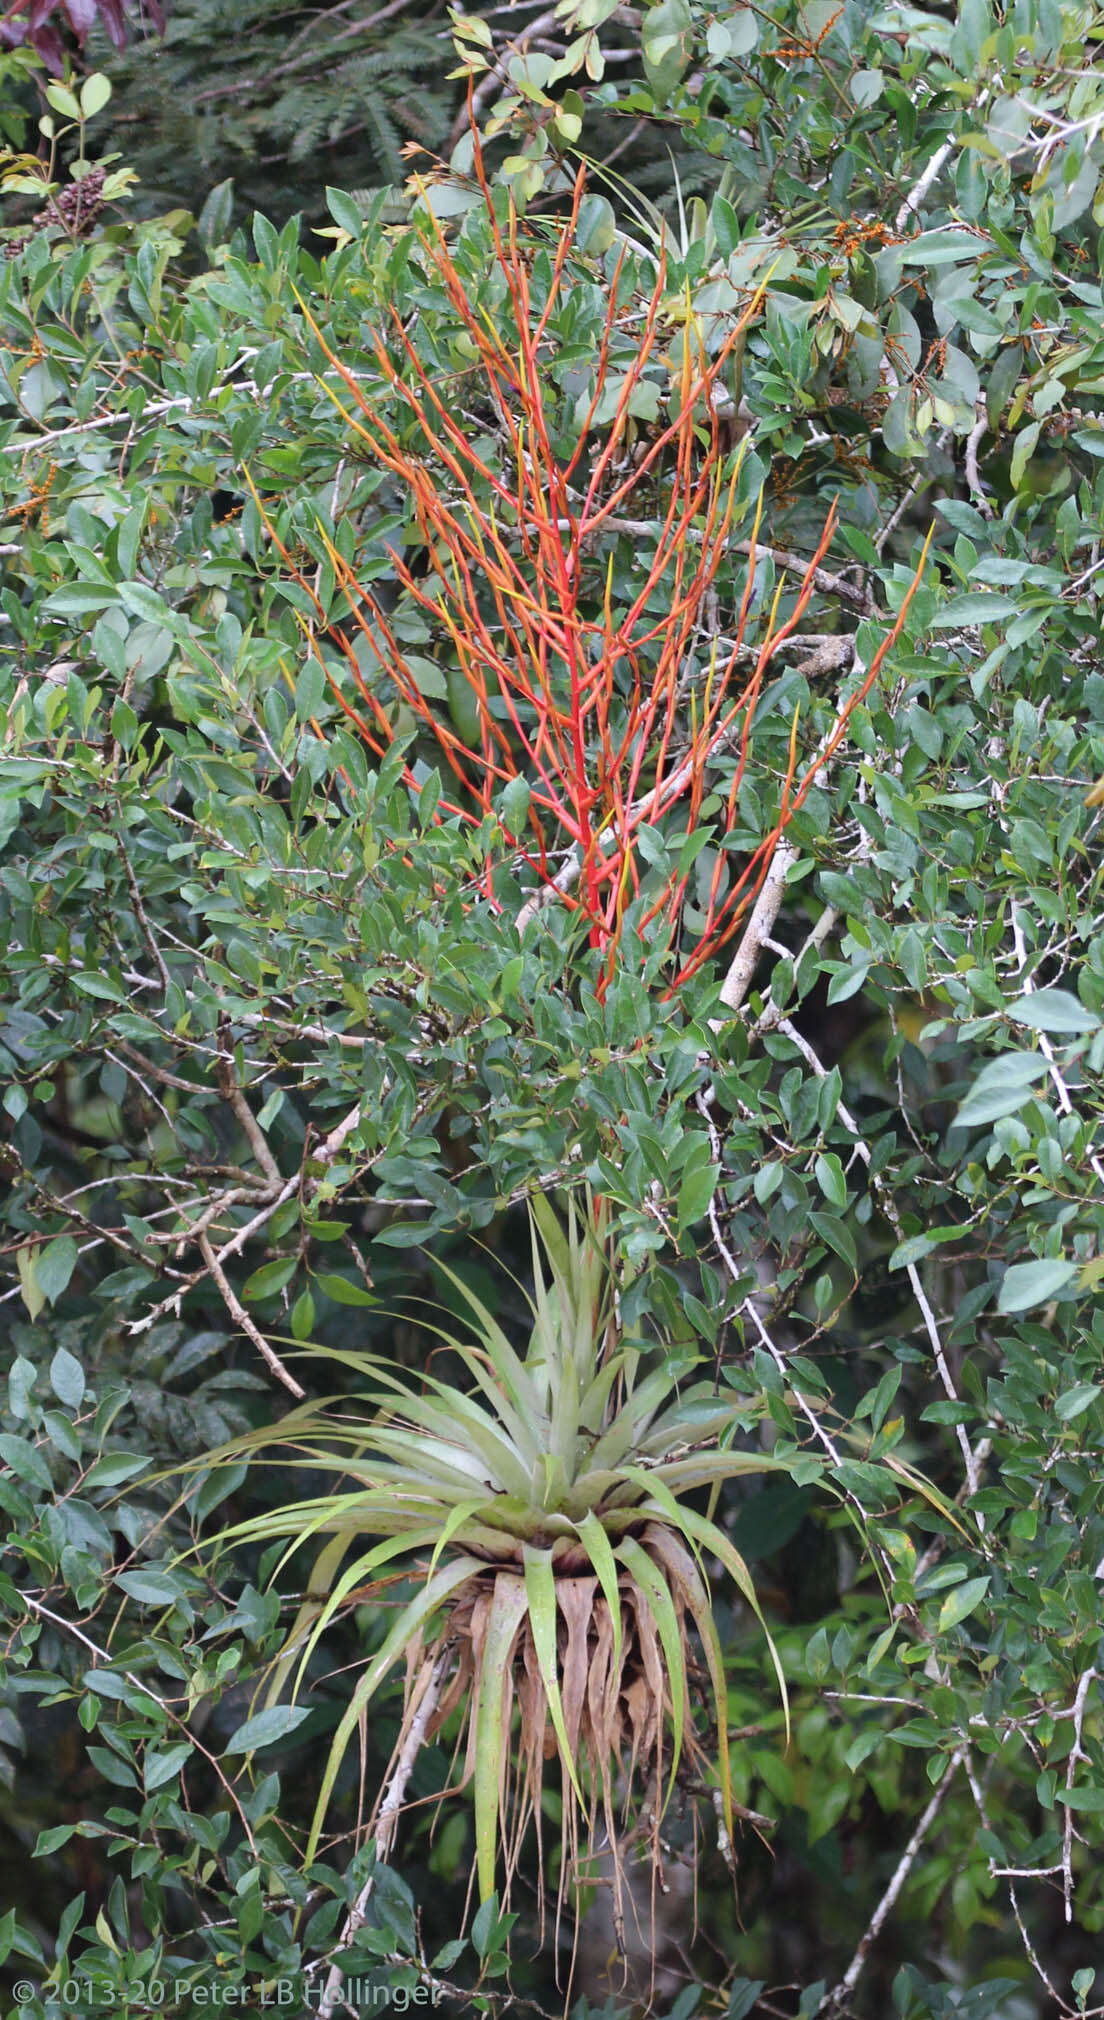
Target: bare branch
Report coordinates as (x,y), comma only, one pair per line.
(877,1920)
(1076,1753)
(767,906)
(387,1816)
(920,482)
(771,1014)
(923,183)
(232,1089)
(1032,1955)
(831,585)
(778,1357)
(973,443)
(1045,1046)
(142,916)
(238,1312)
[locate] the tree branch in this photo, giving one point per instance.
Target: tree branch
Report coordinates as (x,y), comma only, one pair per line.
(1076,1753)
(973,443)
(387,1817)
(238,1312)
(847,1983)
(765,911)
(923,183)
(232,1089)
(831,585)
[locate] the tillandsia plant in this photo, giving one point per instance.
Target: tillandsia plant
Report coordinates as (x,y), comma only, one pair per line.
(599,722)
(545,1519)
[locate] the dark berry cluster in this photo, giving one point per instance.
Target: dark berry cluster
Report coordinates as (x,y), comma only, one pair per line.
(75,208)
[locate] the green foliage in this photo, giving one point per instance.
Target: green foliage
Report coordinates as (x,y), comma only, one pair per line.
(907,309)
(269,1040)
(283,100)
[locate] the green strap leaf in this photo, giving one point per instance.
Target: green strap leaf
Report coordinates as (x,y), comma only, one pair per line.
(507,1364)
(682,1566)
(403,1629)
(653,1585)
(540,1590)
(597,1546)
(630,1424)
(715,1539)
(322,1575)
(354,1574)
(463,1512)
(509,1604)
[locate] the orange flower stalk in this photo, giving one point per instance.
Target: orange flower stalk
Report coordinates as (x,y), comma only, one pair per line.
(597,709)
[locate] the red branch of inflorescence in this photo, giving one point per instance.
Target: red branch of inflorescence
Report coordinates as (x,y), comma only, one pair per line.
(596,708)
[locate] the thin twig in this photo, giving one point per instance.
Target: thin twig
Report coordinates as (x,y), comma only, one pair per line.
(920,482)
(772,1013)
(831,585)
(232,1089)
(101,1656)
(324,1155)
(1025,1872)
(889,1207)
(1032,1955)
(387,1818)
(238,1312)
(873,1928)
(1086,575)
(923,183)
(824,1437)
(973,443)
(1076,1753)
(1046,1048)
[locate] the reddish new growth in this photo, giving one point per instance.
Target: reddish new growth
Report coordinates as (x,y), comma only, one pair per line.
(597,708)
(32,21)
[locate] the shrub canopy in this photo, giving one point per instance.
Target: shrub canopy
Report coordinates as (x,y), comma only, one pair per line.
(284,1024)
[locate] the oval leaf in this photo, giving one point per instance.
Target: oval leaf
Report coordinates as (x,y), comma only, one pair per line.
(54,1266)
(960,1601)
(1052,1010)
(67,1379)
(268,1726)
(1035,1283)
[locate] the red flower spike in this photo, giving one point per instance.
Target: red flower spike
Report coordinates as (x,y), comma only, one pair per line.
(591,711)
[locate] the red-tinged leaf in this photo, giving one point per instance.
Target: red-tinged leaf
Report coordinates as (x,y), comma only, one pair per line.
(81,16)
(111,12)
(48,44)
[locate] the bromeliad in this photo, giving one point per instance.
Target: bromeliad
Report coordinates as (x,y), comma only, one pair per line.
(558,1566)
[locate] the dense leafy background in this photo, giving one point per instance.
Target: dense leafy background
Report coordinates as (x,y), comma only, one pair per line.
(251,984)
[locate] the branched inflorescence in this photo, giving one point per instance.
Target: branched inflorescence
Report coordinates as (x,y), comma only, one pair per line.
(607,714)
